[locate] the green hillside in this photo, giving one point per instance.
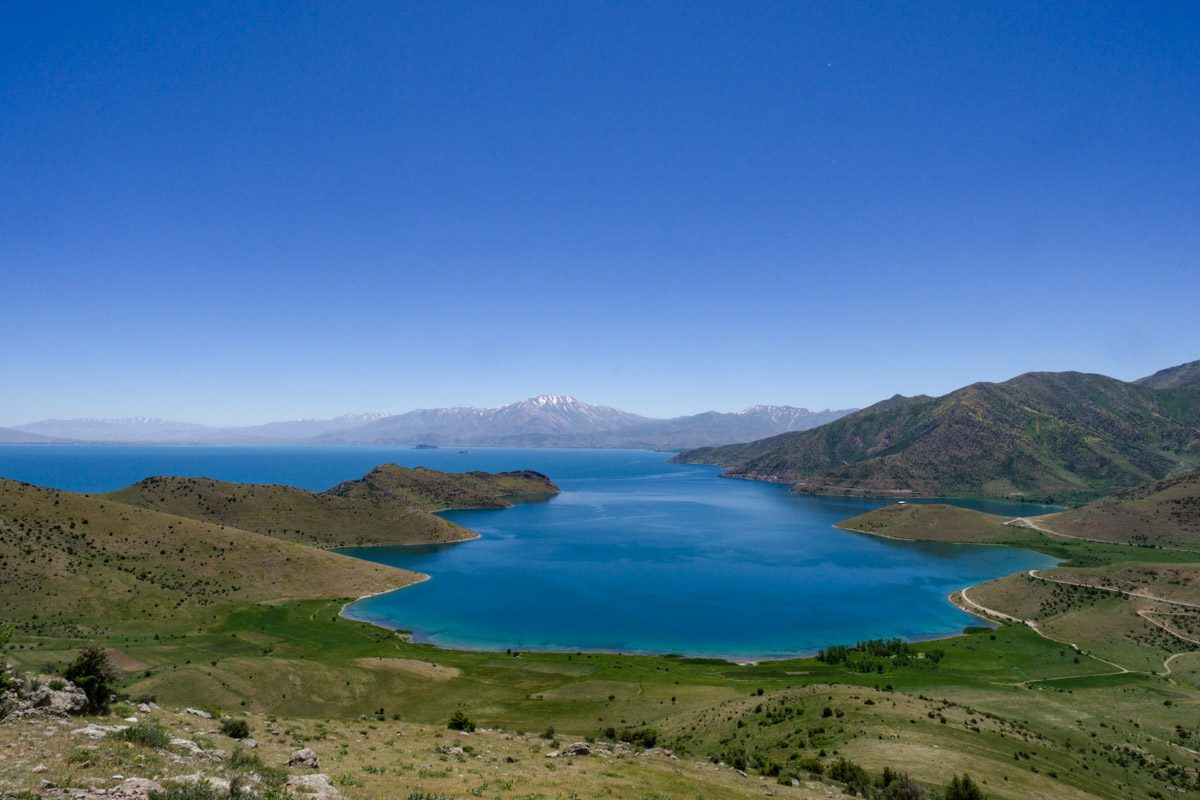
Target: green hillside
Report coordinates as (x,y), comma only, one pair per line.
(390,505)
(432,490)
(1165,512)
(78,564)
(1063,436)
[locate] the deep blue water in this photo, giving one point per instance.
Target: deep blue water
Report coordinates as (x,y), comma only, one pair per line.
(635,555)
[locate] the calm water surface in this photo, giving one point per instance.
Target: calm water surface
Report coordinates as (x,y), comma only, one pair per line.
(635,555)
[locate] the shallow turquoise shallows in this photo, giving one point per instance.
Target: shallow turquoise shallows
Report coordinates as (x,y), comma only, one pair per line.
(635,555)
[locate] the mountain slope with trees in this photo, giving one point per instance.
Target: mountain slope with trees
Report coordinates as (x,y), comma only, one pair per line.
(1055,436)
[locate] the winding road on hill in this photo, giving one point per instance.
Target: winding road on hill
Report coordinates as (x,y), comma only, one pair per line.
(1031,522)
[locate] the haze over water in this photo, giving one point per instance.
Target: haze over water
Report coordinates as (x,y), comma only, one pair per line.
(635,555)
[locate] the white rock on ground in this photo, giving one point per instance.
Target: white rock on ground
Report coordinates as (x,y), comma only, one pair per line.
(316,786)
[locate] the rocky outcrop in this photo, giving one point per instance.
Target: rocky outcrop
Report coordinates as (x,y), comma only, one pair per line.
(306,759)
(128,789)
(43,700)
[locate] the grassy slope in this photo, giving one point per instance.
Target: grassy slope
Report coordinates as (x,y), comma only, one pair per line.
(1162,512)
(296,515)
(432,490)
(390,505)
(1065,436)
(936,523)
(75,560)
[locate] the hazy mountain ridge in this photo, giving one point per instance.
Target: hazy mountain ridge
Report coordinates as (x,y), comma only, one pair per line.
(1066,435)
(17,436)
(542,421)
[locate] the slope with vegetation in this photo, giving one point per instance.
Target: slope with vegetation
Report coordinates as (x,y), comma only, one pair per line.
(80,564)
(1063,437)
(390,505)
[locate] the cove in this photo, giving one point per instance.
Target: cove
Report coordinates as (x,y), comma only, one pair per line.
(639,555)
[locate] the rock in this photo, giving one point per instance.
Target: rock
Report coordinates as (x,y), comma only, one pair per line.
(132,720)
(452,751)
(193,749)
(134,789)
(198,712)
(304,758)
(40,768)
(68,700)
(250,743)
(144,708)
(552,754)
(94,731)
(577,749)
(315,786)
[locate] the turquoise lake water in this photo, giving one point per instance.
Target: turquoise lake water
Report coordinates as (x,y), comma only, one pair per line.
(635,555)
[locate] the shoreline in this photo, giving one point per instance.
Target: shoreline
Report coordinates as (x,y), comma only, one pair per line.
(735,660)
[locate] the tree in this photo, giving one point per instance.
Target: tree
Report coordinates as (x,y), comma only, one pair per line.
(6,632)
(963,789)
(460,722)
(93,672)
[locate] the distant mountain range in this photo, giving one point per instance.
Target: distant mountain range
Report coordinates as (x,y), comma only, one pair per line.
(543,421)
(1057,436)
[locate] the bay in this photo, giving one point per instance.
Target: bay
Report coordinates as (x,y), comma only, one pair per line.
(635,555)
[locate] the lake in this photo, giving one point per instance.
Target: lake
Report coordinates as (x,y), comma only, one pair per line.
(635,555)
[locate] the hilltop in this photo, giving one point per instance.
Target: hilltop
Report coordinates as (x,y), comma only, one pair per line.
(1184,376)
(935,522)
(1058,436)
(389,505)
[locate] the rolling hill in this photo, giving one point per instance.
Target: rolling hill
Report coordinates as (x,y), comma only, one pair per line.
(1059,436)
(81,564)
(390,505)
(1160,512)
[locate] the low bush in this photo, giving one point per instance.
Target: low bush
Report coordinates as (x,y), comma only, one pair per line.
(460,722)
(235,728)
(146,734)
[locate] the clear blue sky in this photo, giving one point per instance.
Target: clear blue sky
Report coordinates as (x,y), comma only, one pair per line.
(233,213)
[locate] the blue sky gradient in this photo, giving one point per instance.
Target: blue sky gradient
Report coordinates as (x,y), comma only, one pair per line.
(232,213)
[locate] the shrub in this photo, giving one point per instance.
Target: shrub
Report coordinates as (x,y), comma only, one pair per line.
(145,734)
(460,722)
(242,760)
(855,777)
(93,673)
(235,728)
(963,789)
(645,737)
